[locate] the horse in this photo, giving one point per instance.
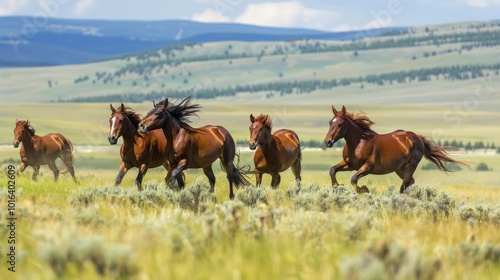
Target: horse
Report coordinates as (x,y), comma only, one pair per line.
(189,147)
(40,150)
(138,150)
(275,152)
(368,152)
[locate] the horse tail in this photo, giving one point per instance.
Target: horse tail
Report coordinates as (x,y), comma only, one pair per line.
(438,155)
(238,174)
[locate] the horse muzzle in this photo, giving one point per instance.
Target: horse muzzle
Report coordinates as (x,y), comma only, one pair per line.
(329,143)
(112,140)
(142,128)
(16,144)
(252,145)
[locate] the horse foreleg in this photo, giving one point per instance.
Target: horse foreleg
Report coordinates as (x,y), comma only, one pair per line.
(177,173)
(258,178)
(53,167)
(341,166)
(123,170)
(363,171)
(36,169)
(22,166)
(275,181)
(140,175)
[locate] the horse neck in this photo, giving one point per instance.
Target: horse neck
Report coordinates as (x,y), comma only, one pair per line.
(28,141)
(171,130)
(130,135)
(267,143)
(353,135)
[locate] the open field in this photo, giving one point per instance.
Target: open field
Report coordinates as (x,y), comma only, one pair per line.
(445,227)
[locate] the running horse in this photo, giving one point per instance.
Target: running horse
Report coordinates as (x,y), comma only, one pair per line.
(371,153)
(40,150)
(276,152)
(139,150)
(189,147)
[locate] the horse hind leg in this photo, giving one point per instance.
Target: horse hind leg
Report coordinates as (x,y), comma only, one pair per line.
(296,169)
(67,159)
(36,169)
(53,167)
(211,177)
(406,174)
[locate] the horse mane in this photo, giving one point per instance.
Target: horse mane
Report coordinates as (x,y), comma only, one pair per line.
(134,118)
(265,120)
(181,112)
(360,119)
(31,130)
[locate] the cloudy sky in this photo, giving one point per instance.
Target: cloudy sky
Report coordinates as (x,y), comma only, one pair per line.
(315,14)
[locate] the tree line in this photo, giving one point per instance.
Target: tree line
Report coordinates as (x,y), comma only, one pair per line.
(456,72)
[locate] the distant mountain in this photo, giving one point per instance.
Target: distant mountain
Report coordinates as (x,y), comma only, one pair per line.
(24,42)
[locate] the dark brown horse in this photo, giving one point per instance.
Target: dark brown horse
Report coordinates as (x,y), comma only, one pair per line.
(138,150)
(275,152)
(40,150)
(371,153)
(189,147)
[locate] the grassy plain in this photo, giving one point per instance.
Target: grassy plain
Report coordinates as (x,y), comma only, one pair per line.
(445,228)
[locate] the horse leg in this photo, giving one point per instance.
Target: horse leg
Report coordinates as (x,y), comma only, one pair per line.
(36,169)
(296,169)
(406,174)
(275,181)
(211,177)
(123,170)
(142,172)
(341,166)
(53,167)
(363,171)
(177,173)
(68,161)
(22,166)
(258,178)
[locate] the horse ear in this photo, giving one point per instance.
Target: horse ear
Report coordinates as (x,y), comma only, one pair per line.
(112,108)
(252,118)
(154,103)
(122,107)
(334,110)
(27,121)
(164,104)
(343,110)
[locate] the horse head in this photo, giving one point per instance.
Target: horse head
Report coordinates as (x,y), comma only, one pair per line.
(259,125)
(337,130)
(155,118)
(115,123)
(21,126)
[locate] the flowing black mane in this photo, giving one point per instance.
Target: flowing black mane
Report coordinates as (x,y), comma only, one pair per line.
(181,112)
(361,119)
(134,118)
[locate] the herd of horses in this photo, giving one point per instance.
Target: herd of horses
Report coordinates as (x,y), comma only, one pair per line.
(165,138)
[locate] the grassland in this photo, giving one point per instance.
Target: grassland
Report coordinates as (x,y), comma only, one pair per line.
(446,227)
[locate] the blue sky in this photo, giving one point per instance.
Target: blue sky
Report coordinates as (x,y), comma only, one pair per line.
(315,14)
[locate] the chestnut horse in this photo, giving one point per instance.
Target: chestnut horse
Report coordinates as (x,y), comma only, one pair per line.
(275,152)
(371,153)
(40,150)
(138,150)
(189,147)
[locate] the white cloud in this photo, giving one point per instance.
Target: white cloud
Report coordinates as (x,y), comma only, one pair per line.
(483,3)
(210,15)
(9,7)
(286,14)
(83,6)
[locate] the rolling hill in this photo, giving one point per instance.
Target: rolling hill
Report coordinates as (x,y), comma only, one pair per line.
(25,42)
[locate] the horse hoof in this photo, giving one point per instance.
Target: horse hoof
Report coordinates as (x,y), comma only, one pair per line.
(361,190)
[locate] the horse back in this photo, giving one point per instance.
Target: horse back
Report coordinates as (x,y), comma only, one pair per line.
(54,142)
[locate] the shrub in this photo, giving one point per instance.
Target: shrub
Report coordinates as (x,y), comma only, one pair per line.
(482,167)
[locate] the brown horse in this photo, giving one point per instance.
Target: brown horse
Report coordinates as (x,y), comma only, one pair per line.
(189,147)
(40,150)
(276,152)
(371,153)
(138,150)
